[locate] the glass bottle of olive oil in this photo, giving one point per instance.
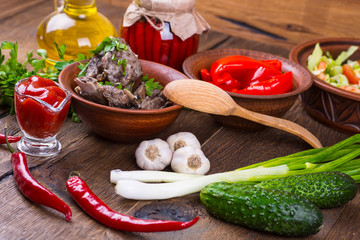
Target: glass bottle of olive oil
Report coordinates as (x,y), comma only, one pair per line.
(75,23)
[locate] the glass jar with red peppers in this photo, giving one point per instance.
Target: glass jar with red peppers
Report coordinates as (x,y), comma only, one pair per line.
(163,31)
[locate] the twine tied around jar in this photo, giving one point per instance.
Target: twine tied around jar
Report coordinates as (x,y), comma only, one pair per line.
(184,20)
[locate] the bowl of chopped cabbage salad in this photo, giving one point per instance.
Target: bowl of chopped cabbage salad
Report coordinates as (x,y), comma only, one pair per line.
(334,98)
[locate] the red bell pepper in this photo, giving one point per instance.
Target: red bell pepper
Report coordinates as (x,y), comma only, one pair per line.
(243,70)
(205,75)
(274,63)
(276,85)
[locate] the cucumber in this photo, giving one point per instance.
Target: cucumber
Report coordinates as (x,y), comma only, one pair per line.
(325,189)
(268,210)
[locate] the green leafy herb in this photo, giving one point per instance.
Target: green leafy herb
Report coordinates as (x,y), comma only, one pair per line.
(109,44)
(124,63)
(74,117)
(119,86)
(61,50)
(150,85)
(83,68)
(12,71)
(120,46)
(81,57)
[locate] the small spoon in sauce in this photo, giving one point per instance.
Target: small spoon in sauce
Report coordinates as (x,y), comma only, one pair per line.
(206,97)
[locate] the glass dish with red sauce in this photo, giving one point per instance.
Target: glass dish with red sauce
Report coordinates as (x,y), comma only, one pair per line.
(41,107)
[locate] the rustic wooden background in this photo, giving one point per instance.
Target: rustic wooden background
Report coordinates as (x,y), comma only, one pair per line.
(283,22)
(271,26)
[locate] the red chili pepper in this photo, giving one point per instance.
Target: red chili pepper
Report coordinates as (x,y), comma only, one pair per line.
(31,188)
(131,34)
(245,70)
(97,209)
(149,35)
(140,39)
(276,85)
(174,52)
(11,139)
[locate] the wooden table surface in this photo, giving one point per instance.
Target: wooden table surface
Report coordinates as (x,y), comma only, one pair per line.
(94,157)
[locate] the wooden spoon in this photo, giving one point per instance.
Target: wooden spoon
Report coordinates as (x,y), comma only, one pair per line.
(206,97)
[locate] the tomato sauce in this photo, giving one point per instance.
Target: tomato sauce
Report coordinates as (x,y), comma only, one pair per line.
(41,106)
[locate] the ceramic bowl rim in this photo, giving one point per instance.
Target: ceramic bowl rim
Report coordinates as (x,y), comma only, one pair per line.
(309,82)
(114,109)
(295,51)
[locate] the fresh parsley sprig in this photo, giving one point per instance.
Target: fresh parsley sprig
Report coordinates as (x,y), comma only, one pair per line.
(150,85)
(11,70)
(109,44)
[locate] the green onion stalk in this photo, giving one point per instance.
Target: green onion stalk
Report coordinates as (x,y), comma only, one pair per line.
(341,157)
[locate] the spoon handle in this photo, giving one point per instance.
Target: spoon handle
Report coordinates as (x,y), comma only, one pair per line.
(279,123)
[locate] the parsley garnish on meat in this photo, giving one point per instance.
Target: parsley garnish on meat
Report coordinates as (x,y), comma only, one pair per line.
(109,44)
(123,62)
(150,85)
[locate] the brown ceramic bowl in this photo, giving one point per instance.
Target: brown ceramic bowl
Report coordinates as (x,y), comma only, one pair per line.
(274,105)
(124,125)
(332,106)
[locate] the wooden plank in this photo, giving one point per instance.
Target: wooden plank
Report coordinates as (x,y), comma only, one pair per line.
(14,7)
(280,22)
(94,157)
(21,25)
(347,227)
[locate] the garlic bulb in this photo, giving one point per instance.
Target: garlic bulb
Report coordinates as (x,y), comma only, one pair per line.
(190,160)
(183,139)
(153,154)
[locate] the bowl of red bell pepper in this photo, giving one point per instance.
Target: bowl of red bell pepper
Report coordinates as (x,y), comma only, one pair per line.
(333,103)
(258,81)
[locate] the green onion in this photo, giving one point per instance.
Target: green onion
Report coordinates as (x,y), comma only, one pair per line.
(339,157)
